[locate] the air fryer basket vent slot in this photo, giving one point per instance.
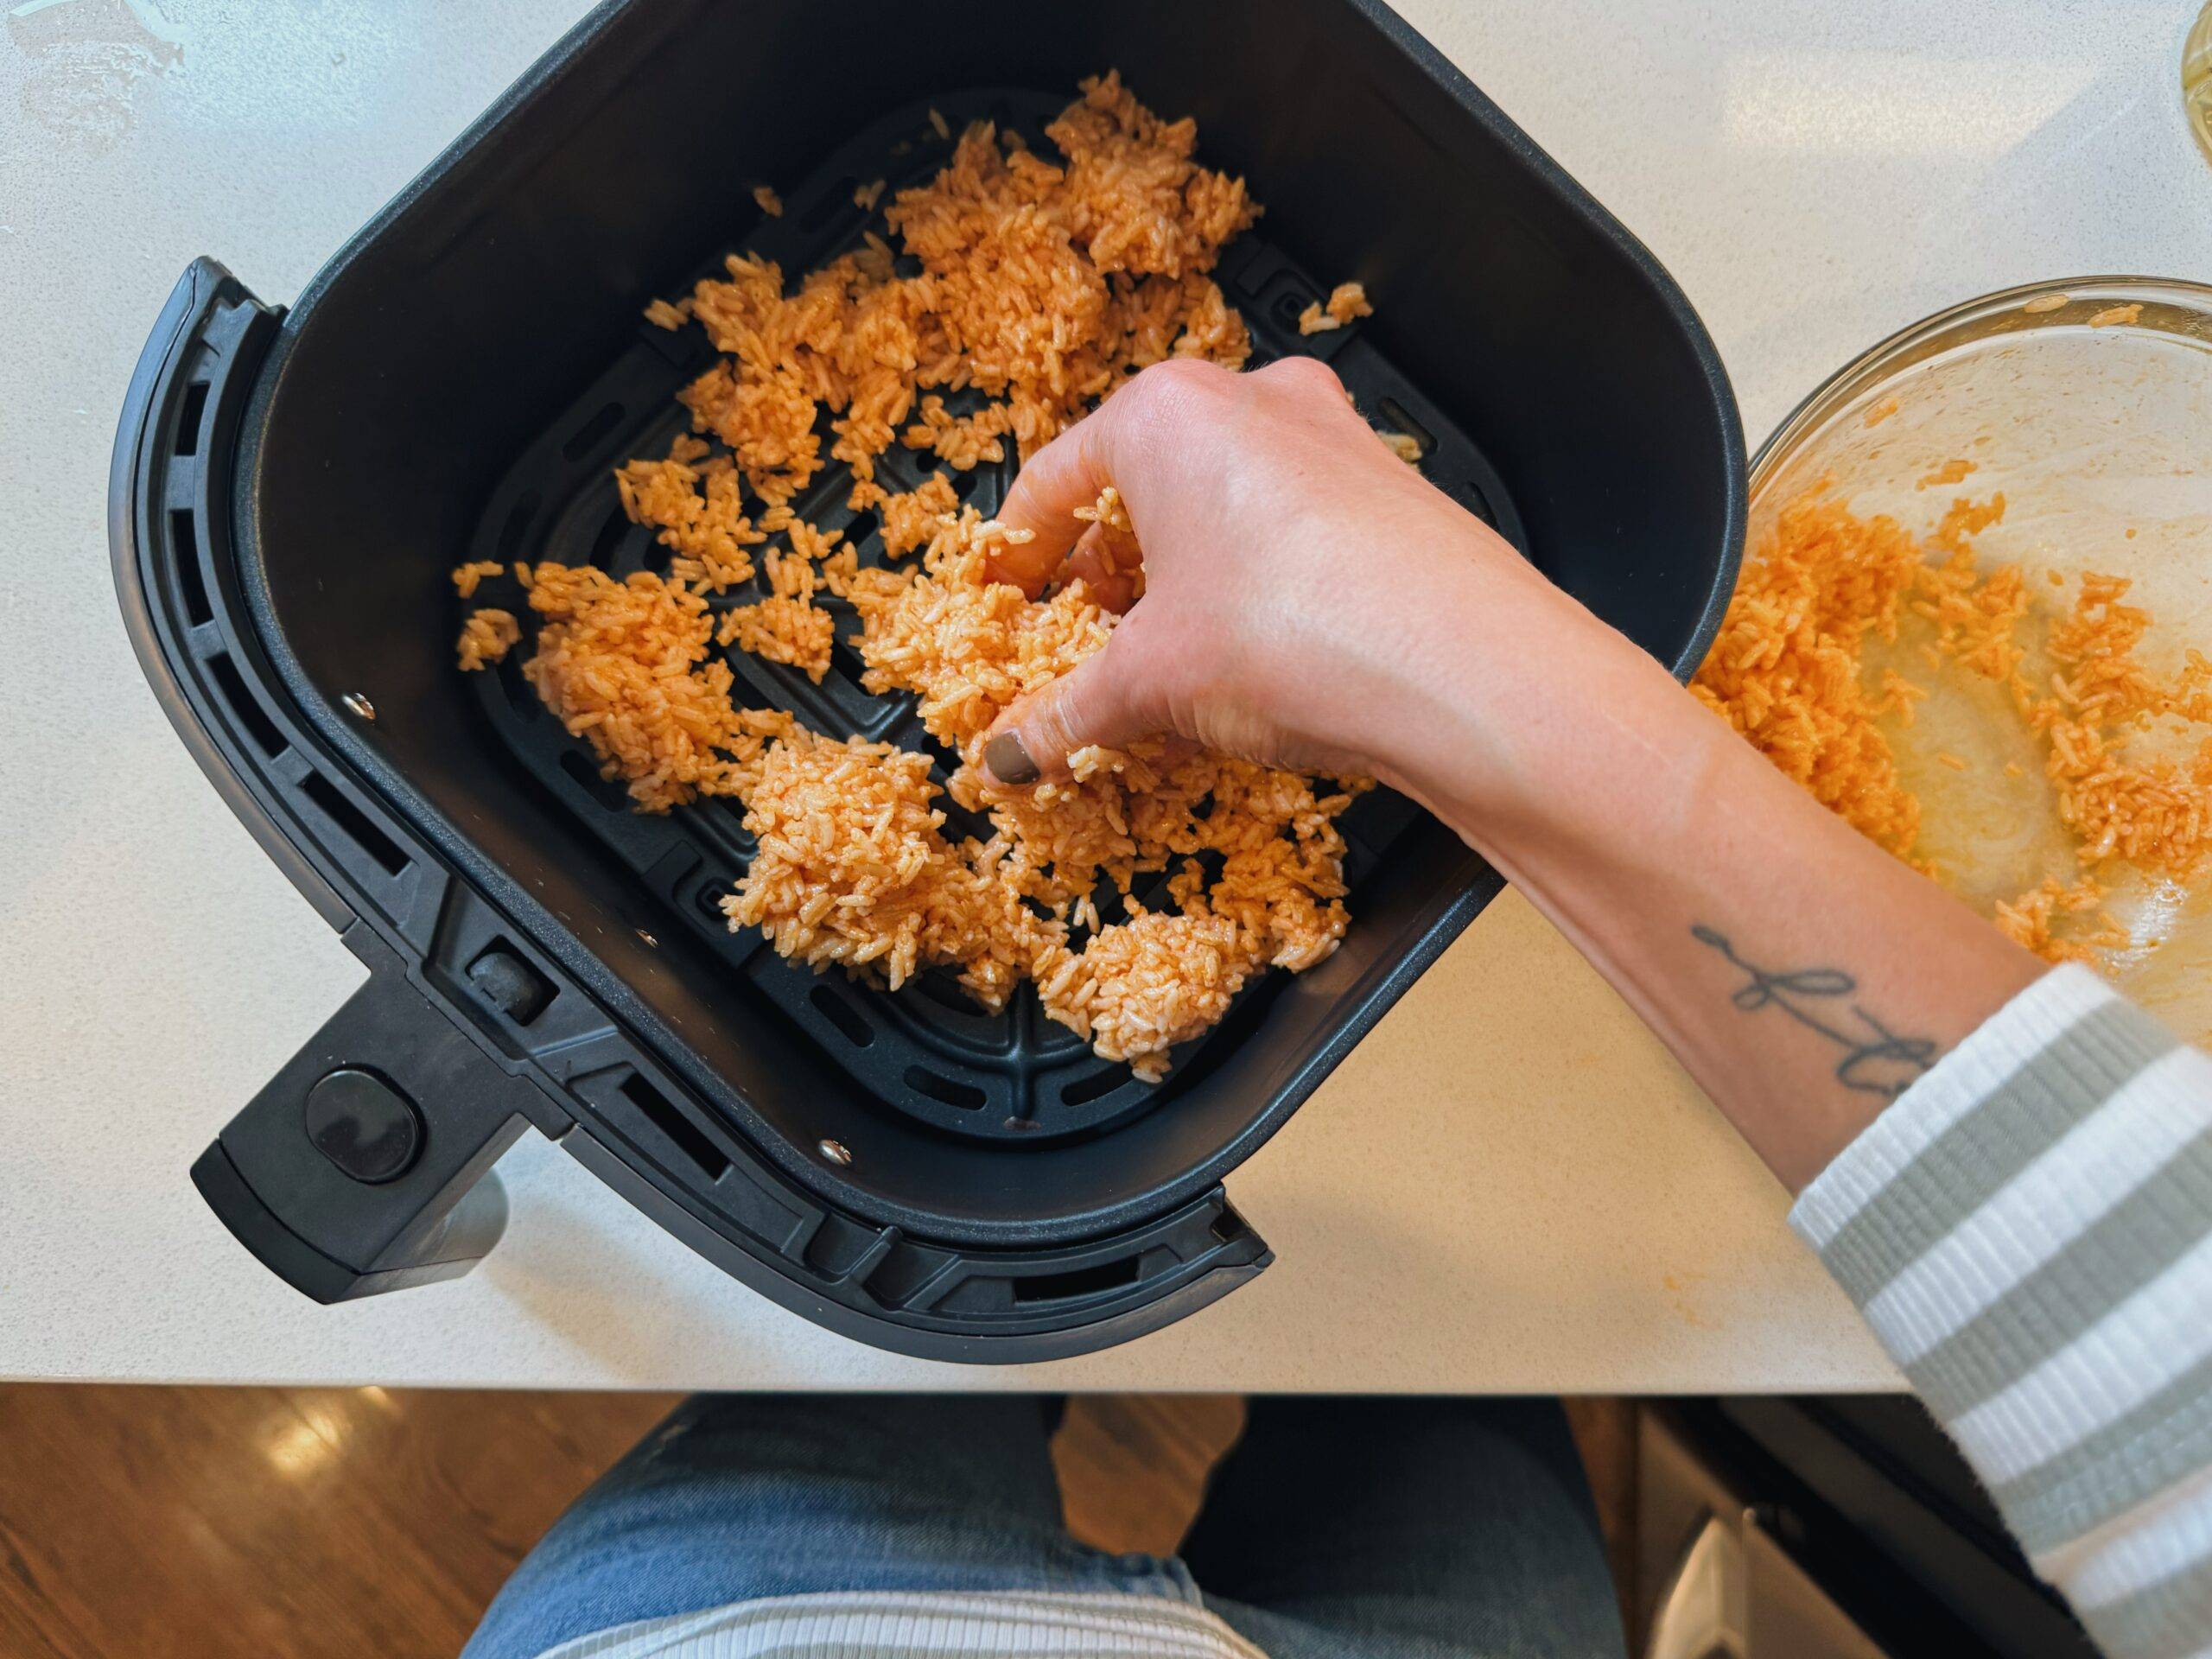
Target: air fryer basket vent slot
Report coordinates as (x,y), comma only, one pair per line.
(1396,418)
(849,1019)
(245,708)
(966,1096)
(517,525)
(1092,1280)
(836,199)
(588,436)
(686,1136)
(334,806)
(188,416)
(192,585)
(579,765)
(1084,1091)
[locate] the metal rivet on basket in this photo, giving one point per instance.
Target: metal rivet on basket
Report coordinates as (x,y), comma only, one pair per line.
(837,1151)
(357,704)
(649,938)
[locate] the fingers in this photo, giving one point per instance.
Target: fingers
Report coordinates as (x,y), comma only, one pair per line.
(1067,473)
(1098,701)
(1149,422)
(1100,565)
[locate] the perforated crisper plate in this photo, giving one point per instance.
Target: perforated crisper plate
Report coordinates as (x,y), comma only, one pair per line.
(928,1051)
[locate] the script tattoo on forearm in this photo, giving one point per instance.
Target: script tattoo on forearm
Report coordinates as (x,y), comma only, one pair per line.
(1876,1060)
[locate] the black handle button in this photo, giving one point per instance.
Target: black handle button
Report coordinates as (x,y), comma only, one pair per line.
(362,1125)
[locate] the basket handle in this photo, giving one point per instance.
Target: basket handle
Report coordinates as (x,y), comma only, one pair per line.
(365,1164)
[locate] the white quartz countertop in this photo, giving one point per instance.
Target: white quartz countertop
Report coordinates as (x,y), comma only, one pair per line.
(1509,1186)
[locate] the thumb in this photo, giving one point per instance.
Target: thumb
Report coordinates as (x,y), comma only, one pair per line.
(1096,702)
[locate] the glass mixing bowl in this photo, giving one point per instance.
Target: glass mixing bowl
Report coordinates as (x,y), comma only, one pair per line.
(2089,404)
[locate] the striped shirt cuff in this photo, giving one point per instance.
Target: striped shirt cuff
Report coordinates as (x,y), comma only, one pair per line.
(926,1624)
(2029,1231)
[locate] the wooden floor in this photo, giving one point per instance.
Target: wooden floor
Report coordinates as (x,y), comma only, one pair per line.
(174,1522)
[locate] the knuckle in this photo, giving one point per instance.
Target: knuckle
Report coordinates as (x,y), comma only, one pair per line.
(1165,388)
(1307,377)
(1185,373)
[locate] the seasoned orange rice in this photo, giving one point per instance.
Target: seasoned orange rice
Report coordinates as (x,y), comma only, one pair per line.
(468,577)
(1043,286)
(912,519)
(1345,301)
(487,636)
(1788,670)
(624,665)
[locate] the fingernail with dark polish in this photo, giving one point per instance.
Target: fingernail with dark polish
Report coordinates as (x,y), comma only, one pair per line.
(1008,761)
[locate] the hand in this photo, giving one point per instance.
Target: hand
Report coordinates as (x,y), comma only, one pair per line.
(1310,599)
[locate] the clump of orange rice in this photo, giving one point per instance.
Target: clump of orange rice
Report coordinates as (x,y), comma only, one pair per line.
(1042,287)
(852,870)
(468,578)
(486,637)
(1788,670)
(2156,813)
(625,666)
(787,626)
(696,501)
(2028,919)
(1142,985)
(911,519)
(1346,301)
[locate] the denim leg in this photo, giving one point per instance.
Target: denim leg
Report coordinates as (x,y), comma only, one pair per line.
(735,1496)
(1407,1528)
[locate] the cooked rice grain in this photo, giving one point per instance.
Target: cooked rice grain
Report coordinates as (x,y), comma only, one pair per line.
(465,577)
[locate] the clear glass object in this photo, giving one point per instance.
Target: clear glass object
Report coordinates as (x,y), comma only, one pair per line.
(2196,78)
(2089,404)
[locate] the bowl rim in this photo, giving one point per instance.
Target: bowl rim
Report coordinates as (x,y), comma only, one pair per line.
(1863,372)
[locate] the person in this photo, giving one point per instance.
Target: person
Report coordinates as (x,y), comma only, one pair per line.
(2008,1166)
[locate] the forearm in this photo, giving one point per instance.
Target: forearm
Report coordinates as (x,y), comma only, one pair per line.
(1802,975)
(2028,1226)
(2028,1229)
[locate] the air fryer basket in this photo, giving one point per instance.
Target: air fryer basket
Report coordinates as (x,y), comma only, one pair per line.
(929,1052)
(290,490)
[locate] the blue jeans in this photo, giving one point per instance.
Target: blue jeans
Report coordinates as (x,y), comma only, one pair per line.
(1395,1528)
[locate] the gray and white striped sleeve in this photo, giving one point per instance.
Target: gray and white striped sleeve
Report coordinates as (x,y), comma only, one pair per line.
(2029,1231)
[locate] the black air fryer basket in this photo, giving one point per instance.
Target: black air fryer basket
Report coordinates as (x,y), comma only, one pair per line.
(290,488)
